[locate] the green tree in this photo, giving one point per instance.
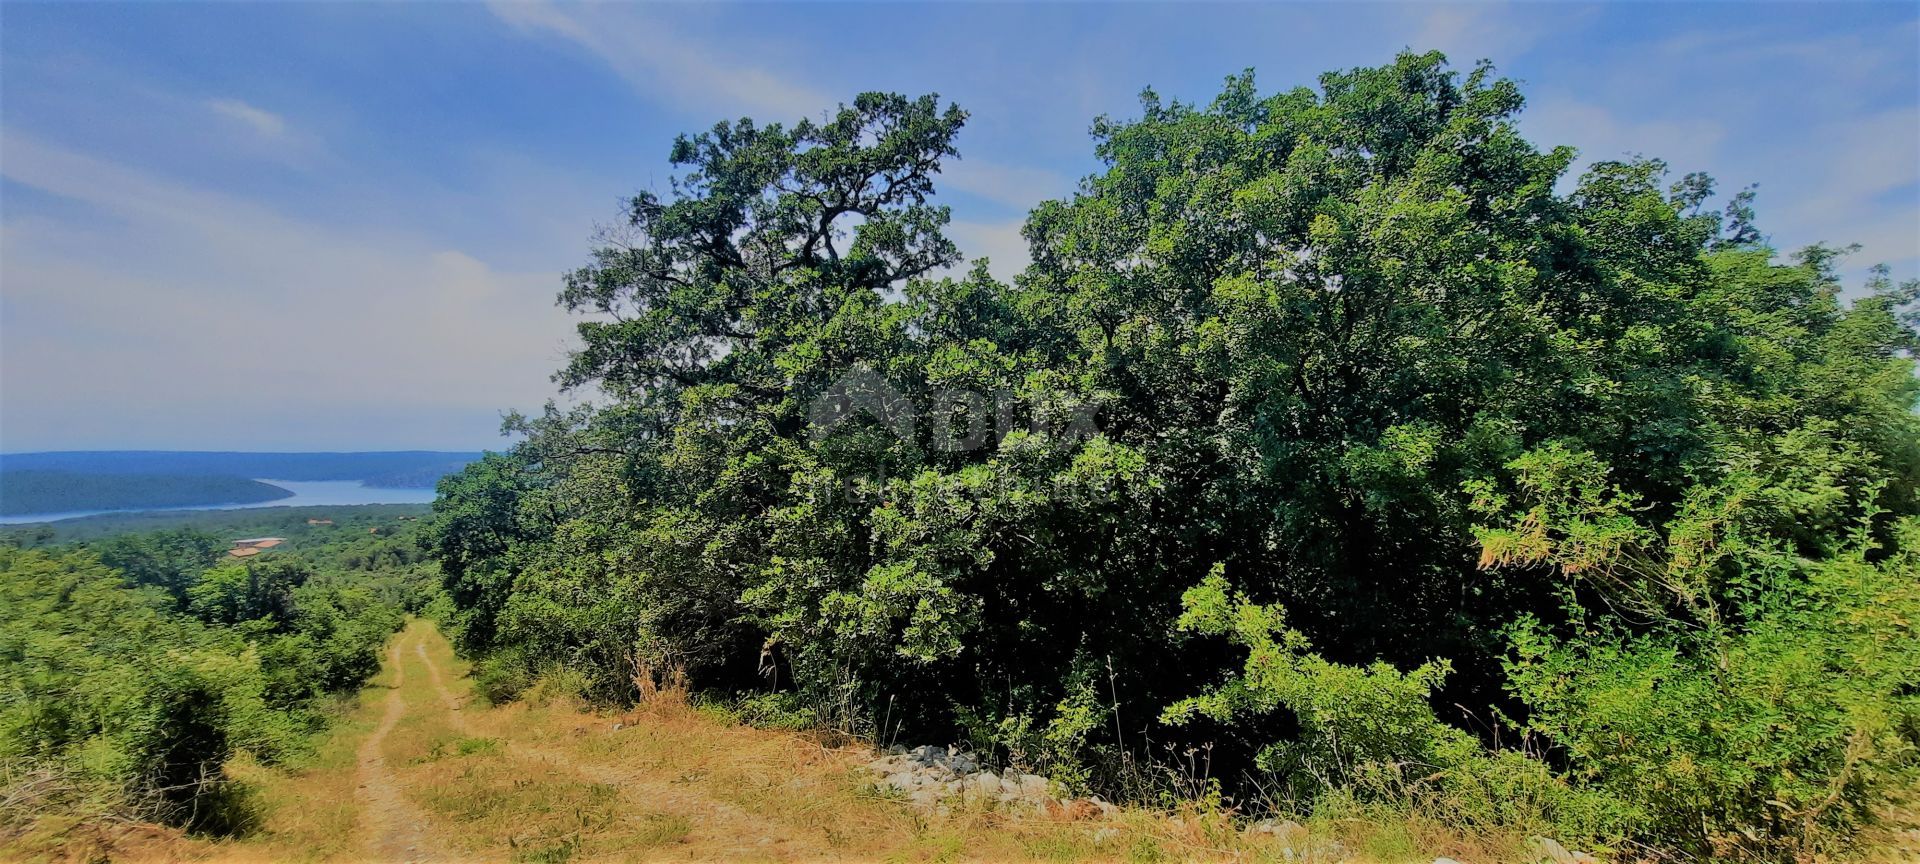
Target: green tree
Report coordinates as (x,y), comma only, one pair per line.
(257,593)
(169,560)
(1346,343)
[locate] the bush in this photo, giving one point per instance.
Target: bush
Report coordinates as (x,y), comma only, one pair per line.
(140,695)
(1370,732)
(500,678)
(105,683)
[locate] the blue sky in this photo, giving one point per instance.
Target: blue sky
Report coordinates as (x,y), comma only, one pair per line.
(340,225)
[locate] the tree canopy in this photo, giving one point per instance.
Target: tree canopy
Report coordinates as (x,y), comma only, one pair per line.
(1323,428)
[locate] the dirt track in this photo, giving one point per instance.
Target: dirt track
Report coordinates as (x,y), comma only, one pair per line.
(394,828)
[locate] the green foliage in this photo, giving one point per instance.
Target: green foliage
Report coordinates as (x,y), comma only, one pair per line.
(289,522)
(1370,730)
(500,678)
(1486,444)
(1349,716)
(1769,706)
(140,680)
(169,560)
(108,683)
(254,591)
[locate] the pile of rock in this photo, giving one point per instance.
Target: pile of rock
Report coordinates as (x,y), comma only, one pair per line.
(939,777)
(935,777)
(1295,842)
(1549,851)
(1545,850)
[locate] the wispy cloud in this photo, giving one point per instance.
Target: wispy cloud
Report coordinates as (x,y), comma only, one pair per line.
(1867,191)
(1824,123)
(1014,186)
(659,61)
(1599,133)
(1471,31)
(261,120)
(194,310)
(1839,70)
(998,242)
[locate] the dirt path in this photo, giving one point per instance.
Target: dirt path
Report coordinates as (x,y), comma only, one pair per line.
(427,773)
(394,827)
(454,704)
(707,816)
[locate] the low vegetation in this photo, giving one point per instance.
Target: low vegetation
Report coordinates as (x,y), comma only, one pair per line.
(134,670)
(1335,454)
(541,780)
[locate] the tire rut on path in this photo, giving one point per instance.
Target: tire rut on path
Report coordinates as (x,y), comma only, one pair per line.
(455,718)
(394,827)
(707,814)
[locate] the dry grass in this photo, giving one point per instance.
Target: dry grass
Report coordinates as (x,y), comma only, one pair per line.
(1896,839)
(544,780)
(46,817)
(311,808)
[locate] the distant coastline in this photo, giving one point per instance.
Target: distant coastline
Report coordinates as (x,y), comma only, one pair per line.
(402,469)
(26,493)
(297,493)
(48,486)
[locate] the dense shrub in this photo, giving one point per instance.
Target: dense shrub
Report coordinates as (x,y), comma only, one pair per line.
(1598,467)
(501,678)
(107,683)
(141,684)
(1765,702)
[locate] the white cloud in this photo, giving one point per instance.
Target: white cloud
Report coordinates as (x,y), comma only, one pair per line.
(1840,71)
(1600,134)
(1009,185)
(262,121)
(1865,190)
(1000,242)
(1824,123)
(659,61)
(1468,32)
(186,312)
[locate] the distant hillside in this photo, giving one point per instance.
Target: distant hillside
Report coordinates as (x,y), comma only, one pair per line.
(401,469)
(36,491)
(291,522)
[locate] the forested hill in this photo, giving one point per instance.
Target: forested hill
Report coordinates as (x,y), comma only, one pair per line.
(389,469)
(26,492)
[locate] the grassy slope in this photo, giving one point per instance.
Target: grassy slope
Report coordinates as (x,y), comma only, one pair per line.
(418,771)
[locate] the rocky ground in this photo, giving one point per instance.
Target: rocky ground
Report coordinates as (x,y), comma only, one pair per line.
(938,778)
